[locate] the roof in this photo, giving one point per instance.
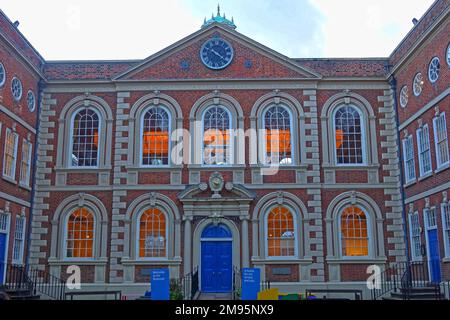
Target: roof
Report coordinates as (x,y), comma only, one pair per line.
(13,35)
(86,70)
(438,8)
(347,67)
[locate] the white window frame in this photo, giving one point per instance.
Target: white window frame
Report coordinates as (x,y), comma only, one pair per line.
(138,232)
(141,140)
(292,132)
(426,217)
(203,164)
(72,119)
(363,138)
(404,96)
(418,84)
(66,231)
(14,162)
(447,55)
(21,89)
(6,231)
(413,236)
(266,235)
(438,72)
(424,153)
(19,241)
(411,160)
(2,83)
(33,106)
(440,164)
(26,182)
(370,242)
(445,210)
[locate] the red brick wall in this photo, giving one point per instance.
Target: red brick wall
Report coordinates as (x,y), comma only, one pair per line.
(16,67)
(435,46)
(170,67)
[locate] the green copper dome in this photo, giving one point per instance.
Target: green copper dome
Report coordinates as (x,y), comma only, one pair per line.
(219,19)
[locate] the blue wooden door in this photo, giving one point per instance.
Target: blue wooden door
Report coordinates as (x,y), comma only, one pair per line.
(433,256)
(216,266)
(2,256)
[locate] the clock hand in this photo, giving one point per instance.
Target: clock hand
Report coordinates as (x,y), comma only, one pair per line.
(217,54)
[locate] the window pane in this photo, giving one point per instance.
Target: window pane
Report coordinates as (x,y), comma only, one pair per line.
(155,140)
(348,135)
(85,138)
(80,234)
(216,136)
(152,234)
(354,232)
(10,154)
(281,237)
(277,125)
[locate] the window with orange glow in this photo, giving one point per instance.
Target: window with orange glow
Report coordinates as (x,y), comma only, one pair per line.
(86,126)
(354,236)
(280,233)
(348,135)
(152,234)
(216,136)
(155,137)
(80,234)
(277,125)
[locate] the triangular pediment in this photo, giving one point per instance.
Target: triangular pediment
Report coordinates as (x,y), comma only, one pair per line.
(251,60)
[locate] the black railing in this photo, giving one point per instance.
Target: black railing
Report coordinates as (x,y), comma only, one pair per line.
(404,277)
(194,284)
(47,284)
(188,285)
(31,282)
(236,294)
(265,285)
(356,293)
(445,289)
(17,280)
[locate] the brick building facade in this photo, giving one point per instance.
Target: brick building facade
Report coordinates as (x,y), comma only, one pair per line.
(166,162)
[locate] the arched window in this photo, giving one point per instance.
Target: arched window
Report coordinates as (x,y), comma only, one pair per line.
(155,137)
(348,128)
(152,235)
(354,232)
(278,137)
(80,234)
(217,136)
(85,138)
(281,233)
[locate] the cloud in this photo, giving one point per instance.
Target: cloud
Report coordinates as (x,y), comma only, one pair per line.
(356,28)
(134,29)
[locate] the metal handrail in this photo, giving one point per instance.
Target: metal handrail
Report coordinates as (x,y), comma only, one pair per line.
(33,281)
(405,277)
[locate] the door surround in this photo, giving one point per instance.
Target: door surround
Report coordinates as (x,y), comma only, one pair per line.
(197,243)
(223,240)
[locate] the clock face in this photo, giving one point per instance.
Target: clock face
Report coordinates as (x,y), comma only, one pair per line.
(216,53)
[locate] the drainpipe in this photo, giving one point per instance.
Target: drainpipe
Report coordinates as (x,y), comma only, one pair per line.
(34,166)
(393,84)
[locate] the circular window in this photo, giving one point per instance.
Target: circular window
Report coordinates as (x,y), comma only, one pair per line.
(16,88)
(31,101)
(2,75)
(448,55)
(433,69)
(418,84)
(404,96)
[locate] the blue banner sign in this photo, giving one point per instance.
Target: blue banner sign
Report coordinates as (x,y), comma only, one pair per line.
(160,284)
(250,283)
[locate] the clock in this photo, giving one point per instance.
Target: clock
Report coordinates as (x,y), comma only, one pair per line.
(216,53)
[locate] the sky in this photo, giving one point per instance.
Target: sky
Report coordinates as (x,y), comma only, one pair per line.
(135,29)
